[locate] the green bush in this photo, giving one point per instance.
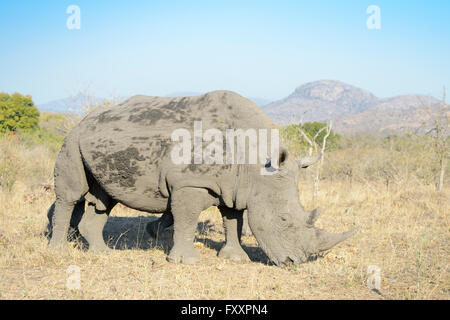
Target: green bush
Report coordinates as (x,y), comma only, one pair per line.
(17,112)
(298,144)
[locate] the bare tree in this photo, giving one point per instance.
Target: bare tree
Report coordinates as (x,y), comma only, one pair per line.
(313,145)
(322,155)
(439,133)
(84,102)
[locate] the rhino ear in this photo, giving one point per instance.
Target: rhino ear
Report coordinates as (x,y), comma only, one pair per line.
(282,159)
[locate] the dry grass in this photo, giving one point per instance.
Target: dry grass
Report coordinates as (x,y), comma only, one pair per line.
(405,232)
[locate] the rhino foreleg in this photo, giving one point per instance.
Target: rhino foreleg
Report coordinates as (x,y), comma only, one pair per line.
(245,227)
(232,222)
(187,204)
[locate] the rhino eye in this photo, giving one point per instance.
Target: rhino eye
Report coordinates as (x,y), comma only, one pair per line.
(284,219)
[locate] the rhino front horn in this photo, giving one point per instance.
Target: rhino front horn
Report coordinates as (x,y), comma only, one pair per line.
(326,240)
(307,161)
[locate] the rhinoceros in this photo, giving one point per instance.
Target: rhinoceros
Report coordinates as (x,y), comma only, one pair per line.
(125,154)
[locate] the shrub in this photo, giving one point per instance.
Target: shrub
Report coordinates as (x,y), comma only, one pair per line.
(17,112)
(297,144)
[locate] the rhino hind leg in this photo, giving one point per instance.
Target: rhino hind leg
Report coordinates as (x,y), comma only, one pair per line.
(232,222)
(60,224)
(99,206)
(187,204)
(77,213)
(91,228)
(70,187)
(155,228)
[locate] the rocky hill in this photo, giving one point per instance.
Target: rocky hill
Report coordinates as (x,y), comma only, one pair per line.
(320,100)
(352,109)
(390,121)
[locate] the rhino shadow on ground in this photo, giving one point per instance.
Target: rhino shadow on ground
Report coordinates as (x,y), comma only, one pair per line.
(122,233)
(125,233)
(256,254)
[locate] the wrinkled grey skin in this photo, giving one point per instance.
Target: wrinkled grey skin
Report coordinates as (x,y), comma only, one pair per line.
(123,154)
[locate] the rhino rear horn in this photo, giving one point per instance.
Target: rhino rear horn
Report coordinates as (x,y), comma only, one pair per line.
(326,240)
(305,162)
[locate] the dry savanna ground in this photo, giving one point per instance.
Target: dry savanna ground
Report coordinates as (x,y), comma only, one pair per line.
(404,232)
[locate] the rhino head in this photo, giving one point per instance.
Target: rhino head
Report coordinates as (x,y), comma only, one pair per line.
(283,229)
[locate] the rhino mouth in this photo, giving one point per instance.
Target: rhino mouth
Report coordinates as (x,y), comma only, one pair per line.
(291,260)
(318,249)
(290,239)
(288,261)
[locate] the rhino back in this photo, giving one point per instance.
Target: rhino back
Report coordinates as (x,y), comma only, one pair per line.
(126,146)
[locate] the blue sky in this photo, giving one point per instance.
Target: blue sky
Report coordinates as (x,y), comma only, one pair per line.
(257,48)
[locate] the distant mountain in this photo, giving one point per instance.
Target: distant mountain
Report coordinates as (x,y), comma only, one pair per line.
(406,102)
(353,109)
(68,105)
(59,106)
(390,121)
(261,102)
